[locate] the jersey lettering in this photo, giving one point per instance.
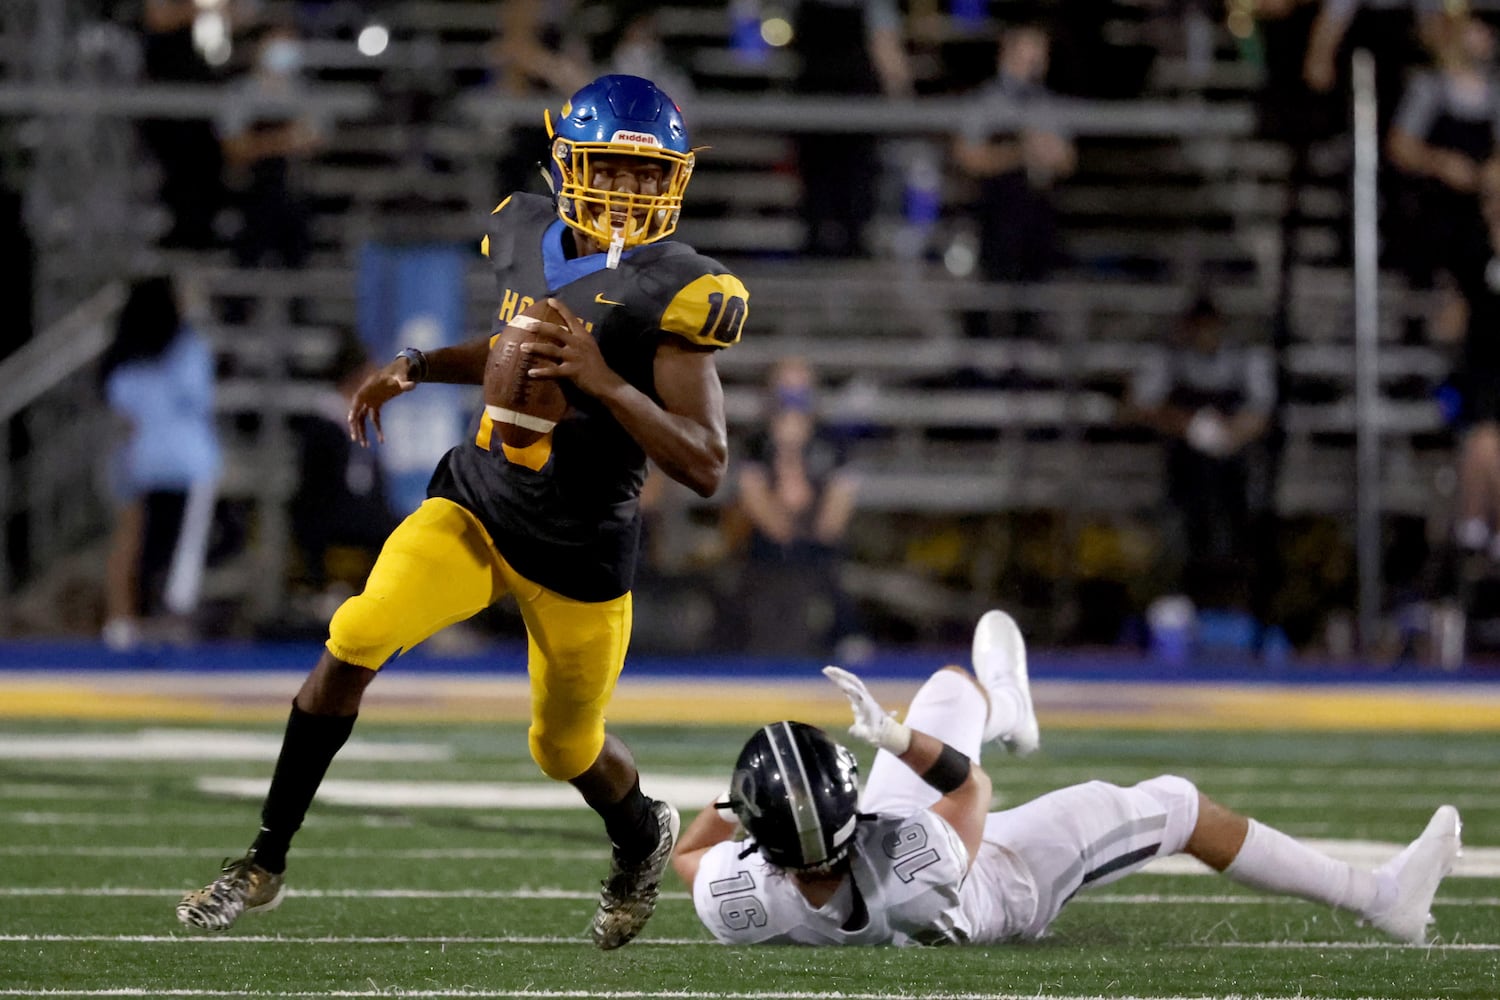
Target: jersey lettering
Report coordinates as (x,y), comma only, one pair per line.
(901,846)
(726,318)
(742,881)
(742,911)
(709,311)
(512,304)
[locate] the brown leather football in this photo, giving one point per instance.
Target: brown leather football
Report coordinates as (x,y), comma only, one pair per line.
(523,408)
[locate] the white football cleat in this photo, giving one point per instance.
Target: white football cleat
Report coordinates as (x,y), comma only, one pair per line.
(999,659)
(1417,870)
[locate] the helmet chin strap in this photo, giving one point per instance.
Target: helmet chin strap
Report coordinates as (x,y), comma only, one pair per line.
(616,247)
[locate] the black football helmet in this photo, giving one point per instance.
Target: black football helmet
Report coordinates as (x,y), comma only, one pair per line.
(796,792)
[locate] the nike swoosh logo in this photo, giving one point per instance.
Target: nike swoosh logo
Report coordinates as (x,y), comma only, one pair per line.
(599,298)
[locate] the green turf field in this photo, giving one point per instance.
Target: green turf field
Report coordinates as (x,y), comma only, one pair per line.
(400,898)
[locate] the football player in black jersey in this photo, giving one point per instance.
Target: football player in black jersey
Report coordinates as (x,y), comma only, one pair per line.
(556,523)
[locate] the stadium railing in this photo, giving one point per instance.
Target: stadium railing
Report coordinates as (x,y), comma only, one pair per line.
(839,316)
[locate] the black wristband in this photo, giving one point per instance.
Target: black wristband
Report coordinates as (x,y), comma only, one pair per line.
(416,363)
(949,771)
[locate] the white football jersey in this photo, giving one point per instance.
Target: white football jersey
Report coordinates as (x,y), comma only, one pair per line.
(908,873)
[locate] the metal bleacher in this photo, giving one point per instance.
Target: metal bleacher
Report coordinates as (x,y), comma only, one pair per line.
(1170,193)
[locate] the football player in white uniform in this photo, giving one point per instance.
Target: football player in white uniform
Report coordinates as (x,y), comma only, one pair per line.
(796,855)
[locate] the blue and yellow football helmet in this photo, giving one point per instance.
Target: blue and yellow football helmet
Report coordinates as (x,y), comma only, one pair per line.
(619,116)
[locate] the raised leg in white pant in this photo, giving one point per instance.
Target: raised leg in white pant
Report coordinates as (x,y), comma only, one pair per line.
(949,705)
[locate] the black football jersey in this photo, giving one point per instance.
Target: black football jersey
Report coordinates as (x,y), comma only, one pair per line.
(564,512)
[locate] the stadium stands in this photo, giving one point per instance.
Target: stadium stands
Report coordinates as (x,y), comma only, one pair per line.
(1172,193)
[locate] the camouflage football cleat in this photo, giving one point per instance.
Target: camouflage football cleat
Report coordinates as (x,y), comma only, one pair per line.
(629,895)
(242,887)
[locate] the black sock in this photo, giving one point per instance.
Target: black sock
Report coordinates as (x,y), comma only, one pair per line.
(630,823)
(306,751)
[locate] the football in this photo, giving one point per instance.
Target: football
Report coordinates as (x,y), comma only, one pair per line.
(524,408)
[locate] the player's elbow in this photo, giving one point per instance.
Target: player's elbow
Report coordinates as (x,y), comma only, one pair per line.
(983,788)
(705,474)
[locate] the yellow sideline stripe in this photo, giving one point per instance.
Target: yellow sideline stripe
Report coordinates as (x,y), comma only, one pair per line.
(1060,704)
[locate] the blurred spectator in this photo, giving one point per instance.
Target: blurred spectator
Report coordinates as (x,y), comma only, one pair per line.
(1477,378)
(1290,113)
(1444,133)
(681,577)
(339,514)
(267,138)
(192,186)
(1016,168)
(1388,31)
(798,496)
(1211,400)
(849,48)
(535,52)
(640,51)
(159,381)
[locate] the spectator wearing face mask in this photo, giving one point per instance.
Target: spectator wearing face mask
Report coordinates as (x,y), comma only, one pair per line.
(641,51)
(1016,170)
(267,138)
(1210,398)
(797,495)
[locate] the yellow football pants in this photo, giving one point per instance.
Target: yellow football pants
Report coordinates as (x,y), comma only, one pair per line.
(439,567)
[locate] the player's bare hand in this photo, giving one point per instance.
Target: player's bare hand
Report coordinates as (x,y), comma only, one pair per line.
(377,390)
(571,352)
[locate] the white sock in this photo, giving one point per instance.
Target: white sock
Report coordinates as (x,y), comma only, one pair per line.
(1274,862)
(1008,708)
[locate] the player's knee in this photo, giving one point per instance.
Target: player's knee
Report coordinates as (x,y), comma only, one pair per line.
(1171,789)
(363,632)
(564,753)
(1179,801)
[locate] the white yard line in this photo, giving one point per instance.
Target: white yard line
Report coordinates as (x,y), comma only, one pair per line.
(350,853)
(31,817)
(229,820)
(683,792)
(198,745)
(629,995)
(1476,862)
(691,792)
(1143,899)
(1218,777)
(534,939)
(40,790)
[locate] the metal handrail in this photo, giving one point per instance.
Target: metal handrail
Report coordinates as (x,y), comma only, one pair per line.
(775,112)
(59,351)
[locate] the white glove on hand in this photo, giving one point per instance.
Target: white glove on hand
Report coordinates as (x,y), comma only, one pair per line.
(871,722)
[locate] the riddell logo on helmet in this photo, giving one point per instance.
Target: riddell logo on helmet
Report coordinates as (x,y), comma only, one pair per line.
(639,138)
